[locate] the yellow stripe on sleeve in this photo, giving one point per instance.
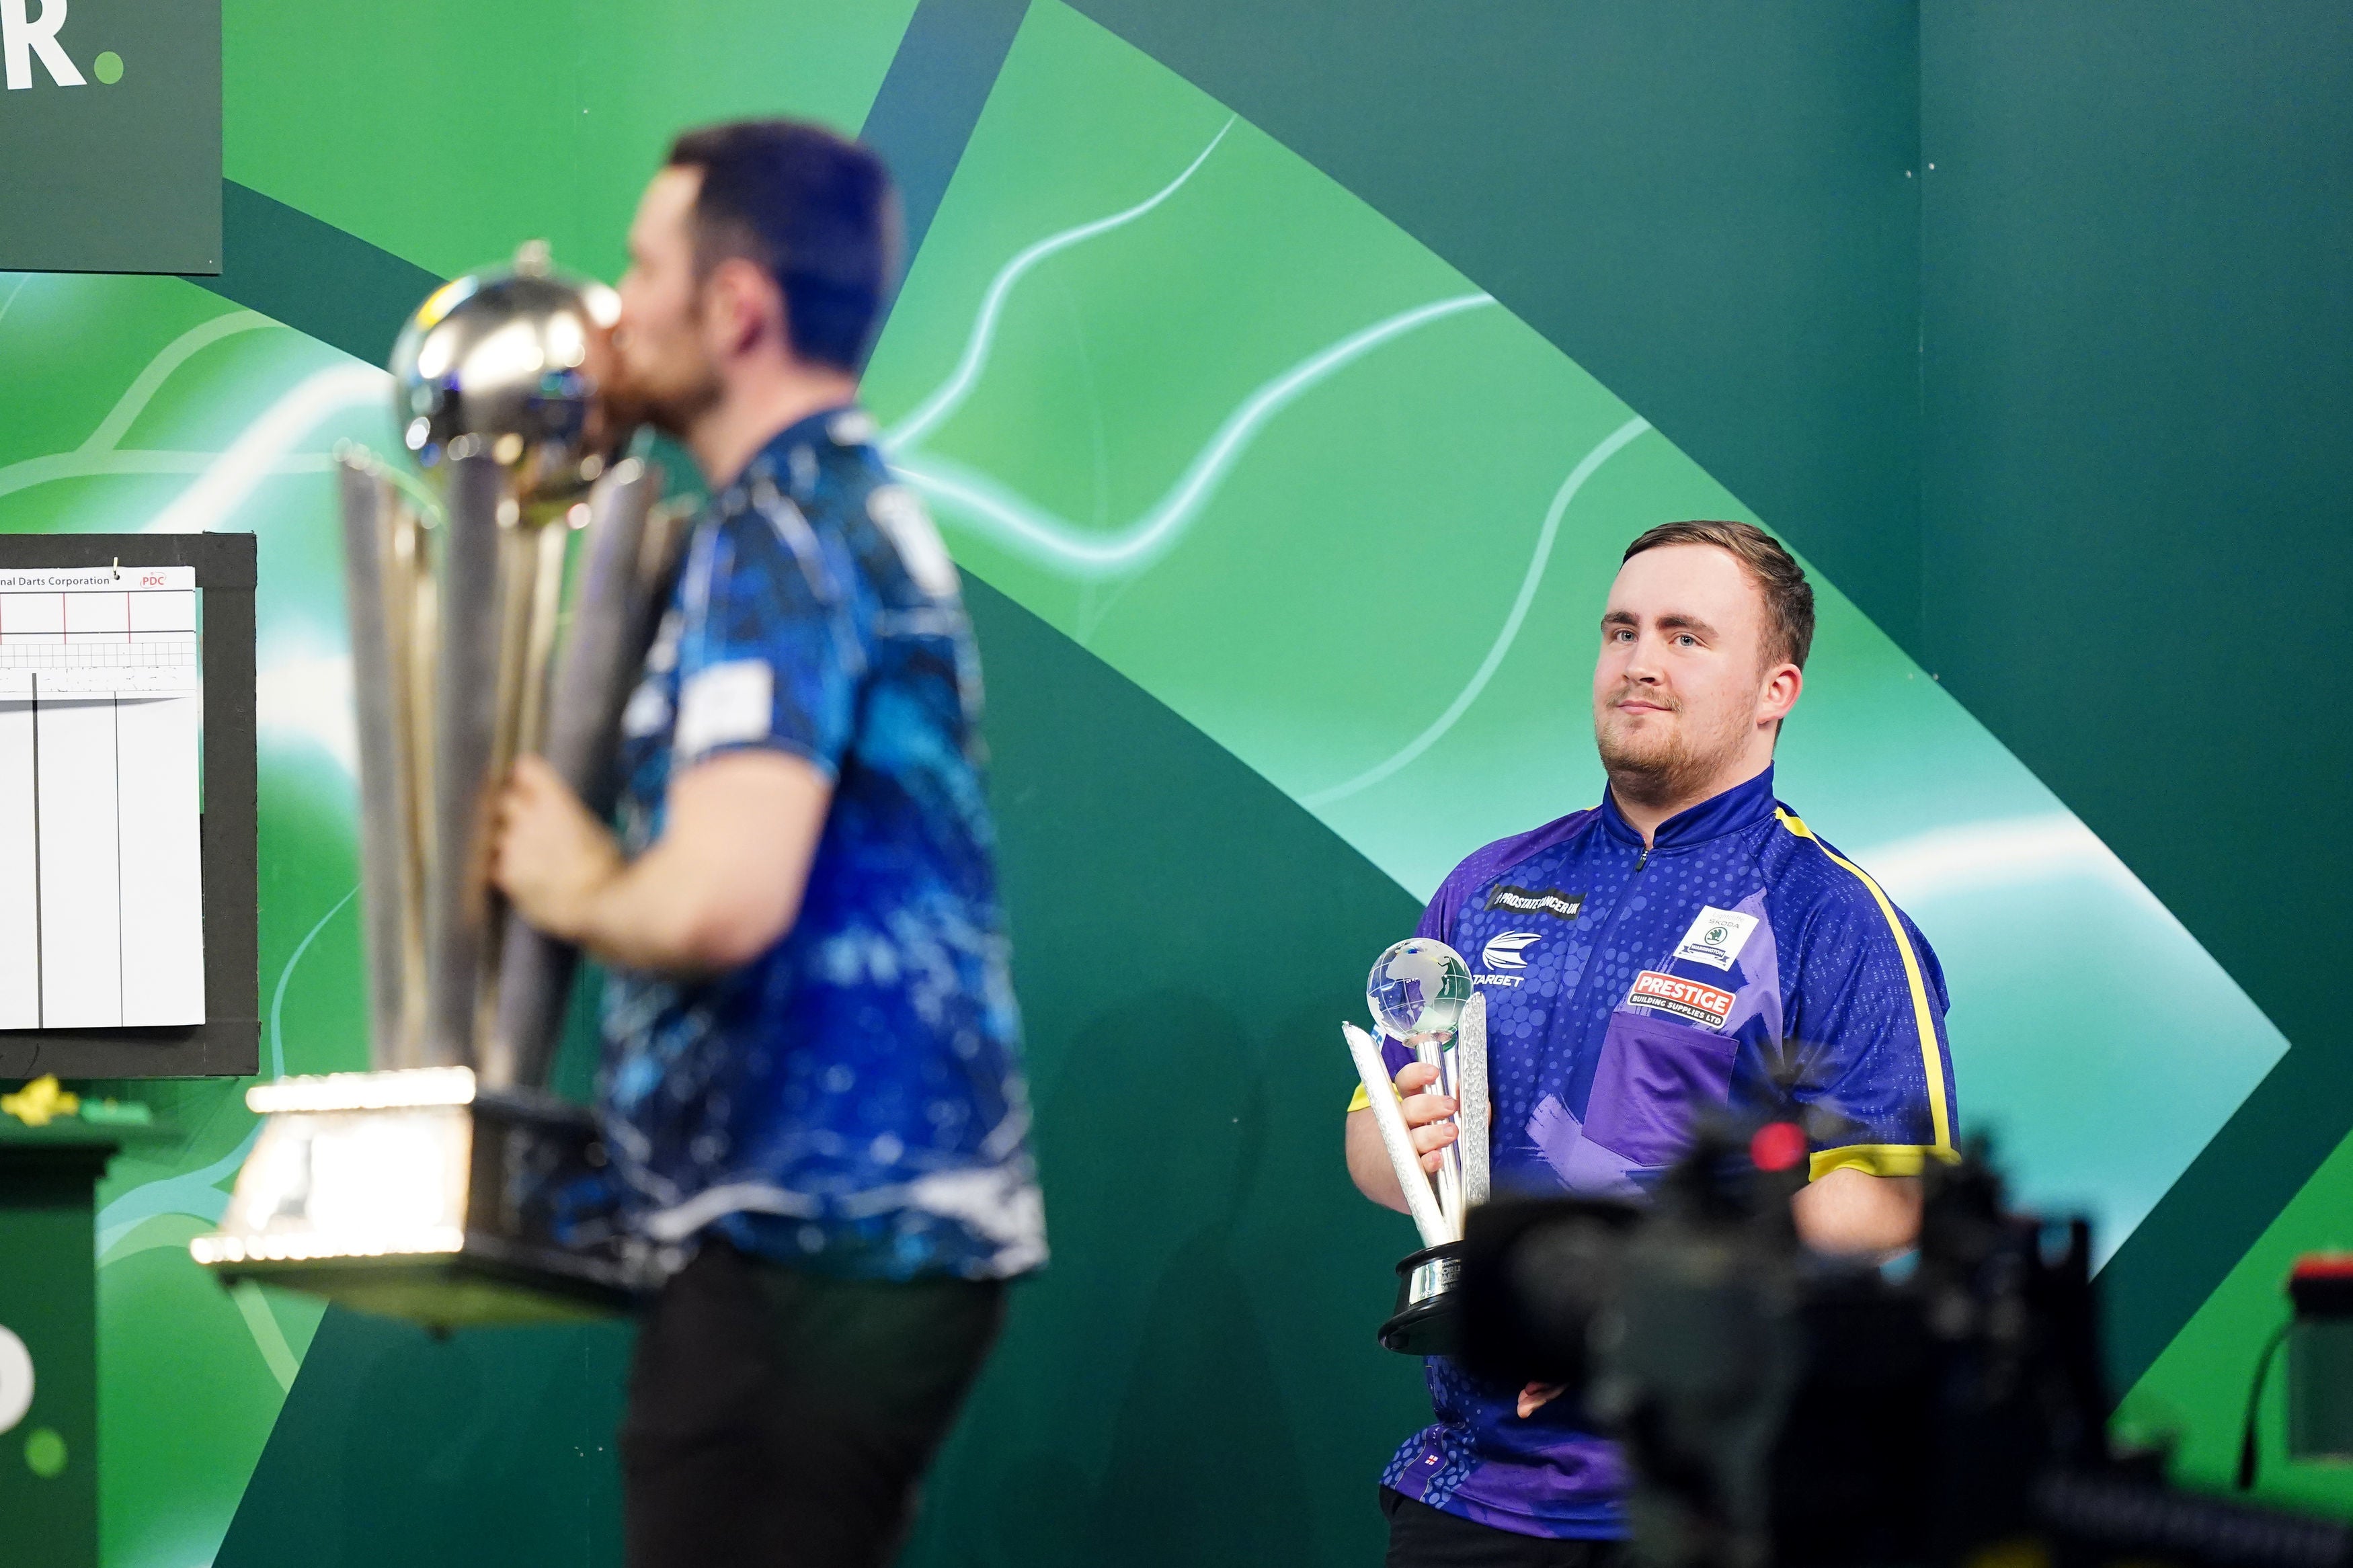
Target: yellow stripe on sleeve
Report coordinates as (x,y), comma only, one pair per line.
(1922,1017)
(1877,1159)
(1360,1101)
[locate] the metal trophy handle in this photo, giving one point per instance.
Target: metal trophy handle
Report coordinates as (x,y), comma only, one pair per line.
(390,598)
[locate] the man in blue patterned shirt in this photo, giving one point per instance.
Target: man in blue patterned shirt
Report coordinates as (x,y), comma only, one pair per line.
(812,1088)
(1688,944)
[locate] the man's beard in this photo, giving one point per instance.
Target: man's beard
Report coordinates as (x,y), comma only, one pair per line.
(673,410)
(1665,766)
(630,400)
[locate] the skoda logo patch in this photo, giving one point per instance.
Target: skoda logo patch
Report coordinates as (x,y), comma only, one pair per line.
(1715,938)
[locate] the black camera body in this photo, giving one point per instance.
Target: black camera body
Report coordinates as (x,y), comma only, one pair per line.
(1781,1409)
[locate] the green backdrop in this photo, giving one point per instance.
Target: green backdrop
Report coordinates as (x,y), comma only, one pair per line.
(1286,389)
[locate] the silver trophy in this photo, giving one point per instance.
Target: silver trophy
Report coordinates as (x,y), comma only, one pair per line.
(1420,994)
(501,603)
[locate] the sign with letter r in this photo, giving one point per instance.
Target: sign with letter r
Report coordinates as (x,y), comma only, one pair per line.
(110,136)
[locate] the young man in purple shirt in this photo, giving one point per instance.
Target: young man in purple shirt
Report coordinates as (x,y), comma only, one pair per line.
(1688,944)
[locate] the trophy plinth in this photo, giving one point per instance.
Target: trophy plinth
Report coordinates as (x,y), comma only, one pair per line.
(503,608)
(1427,1319)
(420,1195)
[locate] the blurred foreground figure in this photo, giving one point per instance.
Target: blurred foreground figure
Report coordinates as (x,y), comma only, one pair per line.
(812,1086)
(1687,946)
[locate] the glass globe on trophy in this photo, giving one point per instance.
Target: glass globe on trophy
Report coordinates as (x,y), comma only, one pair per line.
(1421,996)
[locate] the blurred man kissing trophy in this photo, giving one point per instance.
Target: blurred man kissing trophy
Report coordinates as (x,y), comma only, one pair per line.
(503,608)
(1420,994)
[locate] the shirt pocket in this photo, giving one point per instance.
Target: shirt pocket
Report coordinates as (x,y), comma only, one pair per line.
(1654,1075)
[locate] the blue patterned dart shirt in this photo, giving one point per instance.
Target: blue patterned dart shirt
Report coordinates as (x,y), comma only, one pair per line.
(853,1099)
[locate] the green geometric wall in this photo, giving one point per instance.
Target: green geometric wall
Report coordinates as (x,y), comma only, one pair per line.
(1285,502)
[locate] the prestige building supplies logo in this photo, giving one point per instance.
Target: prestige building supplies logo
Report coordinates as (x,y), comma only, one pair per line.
(1683,998)
(109,116)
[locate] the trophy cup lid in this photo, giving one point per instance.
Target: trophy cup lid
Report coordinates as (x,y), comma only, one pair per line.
(497,361)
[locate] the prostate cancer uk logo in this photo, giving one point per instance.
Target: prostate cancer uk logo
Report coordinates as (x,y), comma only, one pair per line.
(1684,998)
(1550,901)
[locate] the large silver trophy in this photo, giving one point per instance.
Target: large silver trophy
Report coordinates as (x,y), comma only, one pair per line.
(501,605)
(1420,994)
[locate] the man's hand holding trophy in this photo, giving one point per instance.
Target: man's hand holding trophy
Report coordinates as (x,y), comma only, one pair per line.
(1433,1120)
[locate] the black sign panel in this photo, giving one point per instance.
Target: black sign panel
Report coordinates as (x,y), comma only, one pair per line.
(110,136)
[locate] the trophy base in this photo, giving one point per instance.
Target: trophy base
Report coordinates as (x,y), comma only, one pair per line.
(415,1195)
(483,1285)
(1428,1320)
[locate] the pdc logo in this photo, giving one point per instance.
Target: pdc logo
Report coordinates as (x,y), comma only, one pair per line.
(27,38)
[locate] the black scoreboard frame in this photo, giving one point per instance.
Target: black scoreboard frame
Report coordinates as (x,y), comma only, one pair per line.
(228,1044)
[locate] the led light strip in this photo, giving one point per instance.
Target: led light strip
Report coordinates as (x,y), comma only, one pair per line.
(300,1249)
(364,1091)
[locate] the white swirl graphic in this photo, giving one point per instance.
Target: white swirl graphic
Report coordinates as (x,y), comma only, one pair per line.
(1029,530)
(1610,446)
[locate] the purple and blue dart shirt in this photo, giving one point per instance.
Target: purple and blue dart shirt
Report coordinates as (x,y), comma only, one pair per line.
(1739,962)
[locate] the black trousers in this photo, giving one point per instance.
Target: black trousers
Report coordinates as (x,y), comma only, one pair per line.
(783,1419)
(1425,1537)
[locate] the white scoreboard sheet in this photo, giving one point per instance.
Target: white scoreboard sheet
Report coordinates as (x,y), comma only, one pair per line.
(101,911)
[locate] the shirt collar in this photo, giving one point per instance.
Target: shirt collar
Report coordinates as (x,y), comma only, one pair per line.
(847,426)
(1741,806)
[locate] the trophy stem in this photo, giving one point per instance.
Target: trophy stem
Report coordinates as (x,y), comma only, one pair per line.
(624,580)
(1431,1049)
(1477,1114)
(409,614)
(531,555)
(465,739)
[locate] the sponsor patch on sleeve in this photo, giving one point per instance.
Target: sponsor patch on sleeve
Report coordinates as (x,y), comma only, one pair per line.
(901,517)
(1550,901)
(727,702)
(1716,937)
(1690,999)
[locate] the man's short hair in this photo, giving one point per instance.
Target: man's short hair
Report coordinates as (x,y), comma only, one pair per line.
(814,210)
(1788,597)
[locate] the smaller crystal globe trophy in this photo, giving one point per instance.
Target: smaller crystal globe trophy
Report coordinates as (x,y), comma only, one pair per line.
(1421,996)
